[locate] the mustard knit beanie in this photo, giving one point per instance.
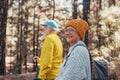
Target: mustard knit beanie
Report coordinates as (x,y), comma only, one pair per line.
(80,25)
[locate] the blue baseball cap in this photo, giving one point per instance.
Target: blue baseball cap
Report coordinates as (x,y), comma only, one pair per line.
(51,23)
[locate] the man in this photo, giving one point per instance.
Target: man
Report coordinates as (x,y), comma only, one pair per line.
(51,53)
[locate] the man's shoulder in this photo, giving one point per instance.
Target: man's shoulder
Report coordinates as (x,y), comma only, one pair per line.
(52,36)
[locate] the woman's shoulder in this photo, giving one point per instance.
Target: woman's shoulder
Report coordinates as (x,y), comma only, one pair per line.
(79,47)
(80,50)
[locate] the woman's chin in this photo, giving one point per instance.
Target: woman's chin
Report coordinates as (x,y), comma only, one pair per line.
(68,40)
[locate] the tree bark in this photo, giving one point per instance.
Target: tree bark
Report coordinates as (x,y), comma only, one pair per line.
(3,22)
(86,8)
(74,13)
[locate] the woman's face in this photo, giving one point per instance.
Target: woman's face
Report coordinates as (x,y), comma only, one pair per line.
(71,35)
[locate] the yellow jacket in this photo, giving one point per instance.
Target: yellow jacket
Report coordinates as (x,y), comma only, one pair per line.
(51,57)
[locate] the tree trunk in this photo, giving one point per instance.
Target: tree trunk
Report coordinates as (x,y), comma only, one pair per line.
(18,67)
(74,13)
(86,8)
(3,22)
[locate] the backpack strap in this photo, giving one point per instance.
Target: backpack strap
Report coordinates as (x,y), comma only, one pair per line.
(91,60)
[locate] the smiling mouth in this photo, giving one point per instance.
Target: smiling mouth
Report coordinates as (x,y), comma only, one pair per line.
(68,38)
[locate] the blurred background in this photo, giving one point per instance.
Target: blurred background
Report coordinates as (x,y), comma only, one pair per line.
(21,34)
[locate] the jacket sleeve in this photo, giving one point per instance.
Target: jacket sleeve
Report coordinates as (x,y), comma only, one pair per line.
(45,59)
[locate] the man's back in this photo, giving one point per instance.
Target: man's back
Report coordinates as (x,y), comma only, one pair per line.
(51,56)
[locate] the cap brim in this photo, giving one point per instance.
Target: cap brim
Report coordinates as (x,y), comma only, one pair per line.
(43,24)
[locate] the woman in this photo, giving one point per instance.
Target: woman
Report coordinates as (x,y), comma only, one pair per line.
(76,65)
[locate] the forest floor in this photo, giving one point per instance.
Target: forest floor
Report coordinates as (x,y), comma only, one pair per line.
(27,76)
